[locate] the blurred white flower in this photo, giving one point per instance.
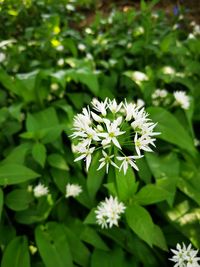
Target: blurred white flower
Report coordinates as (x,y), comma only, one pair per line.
(54,86)
(40,190)
(168,70)
(70,7)
(140,103)
(73,190)
(108,212)
(2,57)
(139,77)
(185,256)
(61,62)
(88,31)
(81,47)
(182,99)
(60,48)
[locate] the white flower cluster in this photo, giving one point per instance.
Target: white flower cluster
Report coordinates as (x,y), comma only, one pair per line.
(182,99)
(108,212)
(159,97)
(110,126)
(185,256)
(40,190)
(73,190)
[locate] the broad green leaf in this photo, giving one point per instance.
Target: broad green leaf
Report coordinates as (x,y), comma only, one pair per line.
(53,245)
(126,185)
(18,199)
(94,177)
(113,258)
(151,194)
(80,252)
(90,236)
(1,202)
(38,212)
(16,253)
(140,221)
(17,154)
(159,238)
(15,174)
(39,153)
(57,161)
(171,130)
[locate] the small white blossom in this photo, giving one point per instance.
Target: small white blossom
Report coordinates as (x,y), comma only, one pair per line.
(86,153)
(185,256)
(106,161)
(182,99)
(73,190)
(54,86)
(61,62)
(139,77)
(70,7)
(40,190)
(142,143)
(100,106)
(128,160)
(113,106)
(108,212)
(81,47)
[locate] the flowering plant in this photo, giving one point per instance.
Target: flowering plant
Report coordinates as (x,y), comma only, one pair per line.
(113,128)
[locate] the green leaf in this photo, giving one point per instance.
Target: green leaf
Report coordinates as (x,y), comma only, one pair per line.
(159,239)
(39,153)
(1,202)
(15,174)
(90,236)
(94,177)
(140,222)
(151,194)
(171,130)
(126,185)
(80,252)
(16,253)
(53,246)
(18,199)
(57,161)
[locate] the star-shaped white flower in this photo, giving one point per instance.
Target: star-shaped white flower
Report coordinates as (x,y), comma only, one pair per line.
(128,160)
(86,153)
(40,190)
(106,161)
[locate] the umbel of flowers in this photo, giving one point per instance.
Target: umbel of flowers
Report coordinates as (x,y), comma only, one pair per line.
(113,128)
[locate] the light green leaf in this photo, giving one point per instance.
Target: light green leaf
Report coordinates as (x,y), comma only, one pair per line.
(151,194)
(39,153)
(15,174)
(57,161)
(16,253)
(140,222)
(126,185)
(53,245)
(171,129)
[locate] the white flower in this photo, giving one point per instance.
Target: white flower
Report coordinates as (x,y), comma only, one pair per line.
(40,190)
(81,47)
(168,70)
(73,190)
(100,106)
(111,125)
(113,106)
(182,99)
(108,212)
(86,153)
(60,62)
(106,161)
(142,143)
(159,93)
(112,132)
(140,103)
(60,48)
(185,256)
(70,7)
(2,57)
(128,160)
(139,77)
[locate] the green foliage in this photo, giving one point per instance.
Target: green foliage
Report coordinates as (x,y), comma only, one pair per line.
(54,61)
